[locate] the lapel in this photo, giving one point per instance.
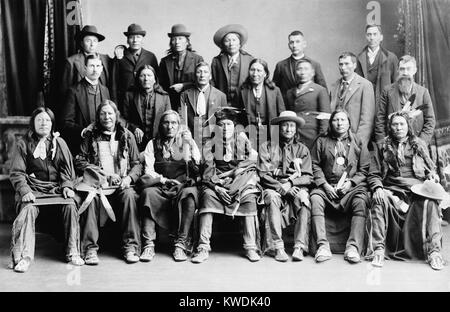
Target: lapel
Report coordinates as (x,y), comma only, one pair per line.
(79,64)
(288,72)
(188,62)
(83,101)
(137,104)
(395,103)
(335,94)
(352,88)
(246,94)
(191,97)
(129,56)
(212,101)
(224,61)
(308,89)
(243,68)
(363,61)
(170,64)
(105,66)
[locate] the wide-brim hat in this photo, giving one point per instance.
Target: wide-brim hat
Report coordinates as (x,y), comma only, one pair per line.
(90,30)
(135,29)
(178,30)
(232,28)
(288,116)
(94,179)
(430,189)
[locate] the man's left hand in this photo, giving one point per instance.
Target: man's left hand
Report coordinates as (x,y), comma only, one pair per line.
(126,182)
(68,193)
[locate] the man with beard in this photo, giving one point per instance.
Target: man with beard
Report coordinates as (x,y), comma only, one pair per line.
(406,95)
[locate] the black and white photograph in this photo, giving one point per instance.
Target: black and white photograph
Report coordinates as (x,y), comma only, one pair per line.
(224,152)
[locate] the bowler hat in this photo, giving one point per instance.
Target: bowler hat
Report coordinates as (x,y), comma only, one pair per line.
(288,116)
(430,189)
(232,28)
(90,30)
(178,30)
(134,29)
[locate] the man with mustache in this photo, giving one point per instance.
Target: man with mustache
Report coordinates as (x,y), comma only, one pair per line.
(398,97)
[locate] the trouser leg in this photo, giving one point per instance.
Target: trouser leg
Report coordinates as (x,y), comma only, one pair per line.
(89,226)
(249,232)
(273,206)
(301,230)
(356,237)
(71,230)
(23,239)
(130,221)
(206,221)
(318,220)
(433,228)
(378,219)
(187,215)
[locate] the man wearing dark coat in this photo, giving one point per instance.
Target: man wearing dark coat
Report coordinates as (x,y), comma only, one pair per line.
(199,103)
(134,57)
(81,103)
(229,69)
(286,174)
(284,75)
(75,66)
(408,96)
(177,69)
(340,164)
(375,63)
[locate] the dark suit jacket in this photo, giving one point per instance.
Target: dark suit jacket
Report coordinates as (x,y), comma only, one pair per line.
(188,104)
(387,70)
(124,71)
(219,71)
(166,79)
(132,113)
(422,125)
(75,70)
(76,113)
(274,103)
(285,79)
(312,99)
(359,102)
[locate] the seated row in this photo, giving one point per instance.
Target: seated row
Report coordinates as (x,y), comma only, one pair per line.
(284,184)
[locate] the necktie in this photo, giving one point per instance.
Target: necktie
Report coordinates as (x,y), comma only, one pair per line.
(41,150)
(201,104)
(231,62)
(343,89)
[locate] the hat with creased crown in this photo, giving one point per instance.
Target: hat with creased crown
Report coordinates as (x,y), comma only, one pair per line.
(90,30)
(232,28)
(288,116)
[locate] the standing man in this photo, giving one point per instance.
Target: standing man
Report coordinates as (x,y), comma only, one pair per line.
(229,69)
(354,94)
(134,56)
(284,75)
(286,174)
(200,102)
(406,95)
(375,63)
(81,103)
(75,65)
(178,67)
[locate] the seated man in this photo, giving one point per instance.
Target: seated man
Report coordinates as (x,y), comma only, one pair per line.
(340,164)
(170,195)
(229,184)
(404,226)
(109,150)
(286,173)
(42,175)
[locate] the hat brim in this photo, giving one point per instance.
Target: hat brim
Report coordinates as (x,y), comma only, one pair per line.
(298,120)
(185,34)
(130,33)
(83,34)
(234,28)
(417,189)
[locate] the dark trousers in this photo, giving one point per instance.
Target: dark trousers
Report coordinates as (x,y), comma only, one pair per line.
(124,203)
(358,211)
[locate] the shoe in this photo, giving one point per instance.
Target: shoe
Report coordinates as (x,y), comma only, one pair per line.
(378,258)
(91,258)
(75,260)
(252,255)
(436,261)
(351,254)
(297,255)
(201,256)
(323,254)
(23,265)
(281,255)
(179,254)
(131,257)
(148,254)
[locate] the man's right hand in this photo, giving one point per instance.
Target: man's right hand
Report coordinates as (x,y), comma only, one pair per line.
(28,197)
(223,194)
(379,196)
(139,135)
(330,191)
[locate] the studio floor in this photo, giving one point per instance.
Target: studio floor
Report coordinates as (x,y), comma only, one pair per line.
(226,270)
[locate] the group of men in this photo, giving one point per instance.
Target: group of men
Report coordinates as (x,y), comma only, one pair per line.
(200,156)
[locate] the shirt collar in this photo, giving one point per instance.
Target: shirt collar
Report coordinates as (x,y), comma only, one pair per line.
(296,58)
(374,52)
(350,80)
(233,57)
(204,89)
(91,82)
